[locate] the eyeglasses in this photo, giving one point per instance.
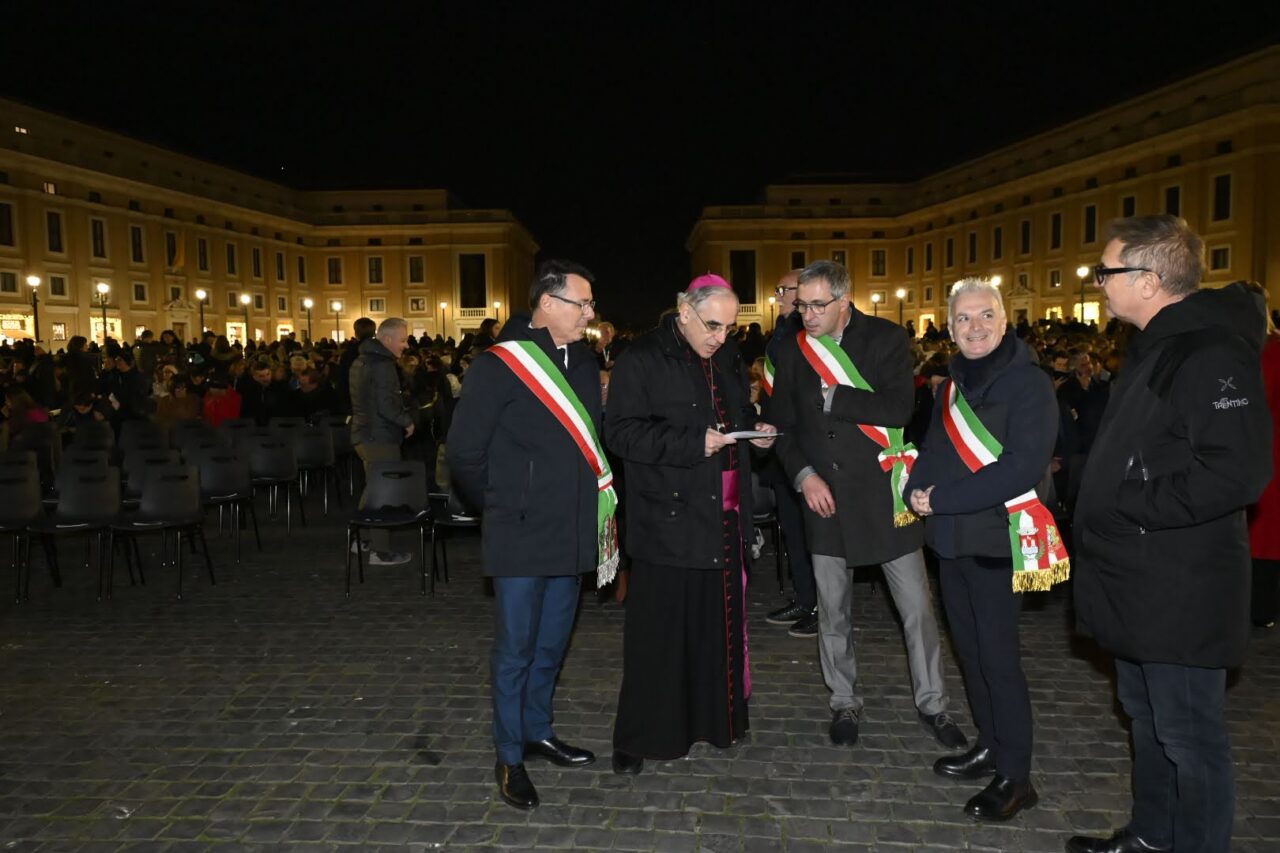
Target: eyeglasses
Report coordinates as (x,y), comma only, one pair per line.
(781,290)
(1100,272)
(581,306)
(715,327)
(818,308)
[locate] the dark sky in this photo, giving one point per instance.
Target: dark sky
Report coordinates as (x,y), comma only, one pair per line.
(604,126)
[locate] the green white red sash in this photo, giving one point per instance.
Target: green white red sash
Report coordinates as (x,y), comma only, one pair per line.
(1039,554)
(897,457)
(540,375)
(766,381)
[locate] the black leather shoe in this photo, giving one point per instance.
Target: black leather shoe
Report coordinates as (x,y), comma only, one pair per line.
(844,727)
(626,764)
(514,786)
(806,626)
(1123,841)
(560,753)
(945,730)
(1002,799)
(977,763)
(787,615)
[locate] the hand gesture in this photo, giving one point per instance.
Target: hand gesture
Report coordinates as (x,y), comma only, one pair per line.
(817,496)
(714,441)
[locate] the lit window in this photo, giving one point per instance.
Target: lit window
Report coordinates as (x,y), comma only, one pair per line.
(22,130)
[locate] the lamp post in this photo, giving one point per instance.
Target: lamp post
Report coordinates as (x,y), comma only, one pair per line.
(336,307)
(1082,272)
(34,282)
(773,301)
(104,293)
(901,293)
(245,299)
(497,311)
(202,296)
(443,306)
(875,305)
(308,304)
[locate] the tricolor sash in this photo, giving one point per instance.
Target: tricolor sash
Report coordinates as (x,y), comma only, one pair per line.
(766,381)
(540,375)
(834,367)
(1039,555)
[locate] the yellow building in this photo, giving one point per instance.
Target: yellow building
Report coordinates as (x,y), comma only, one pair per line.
(1207,148)
(83,209)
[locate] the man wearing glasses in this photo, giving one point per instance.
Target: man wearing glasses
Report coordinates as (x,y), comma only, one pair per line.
(1162,577)
(801,614)
(676,396)
(525,462)
(844,391)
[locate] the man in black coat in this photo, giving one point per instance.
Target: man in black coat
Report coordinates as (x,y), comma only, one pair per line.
(511,457)
(1162,544)
(800,615)
(852,517)
(674,398)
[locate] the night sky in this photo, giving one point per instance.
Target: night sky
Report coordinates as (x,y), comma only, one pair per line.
(604,126)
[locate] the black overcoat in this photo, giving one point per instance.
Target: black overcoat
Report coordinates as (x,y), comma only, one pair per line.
(509,456)
(659,411)
(862,530)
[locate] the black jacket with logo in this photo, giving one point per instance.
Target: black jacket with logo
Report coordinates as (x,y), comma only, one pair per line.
(1161,563)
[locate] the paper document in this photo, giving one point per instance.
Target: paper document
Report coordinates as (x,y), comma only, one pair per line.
(746,433)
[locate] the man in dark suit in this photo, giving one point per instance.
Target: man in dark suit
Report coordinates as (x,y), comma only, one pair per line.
(512,456)
(853,515)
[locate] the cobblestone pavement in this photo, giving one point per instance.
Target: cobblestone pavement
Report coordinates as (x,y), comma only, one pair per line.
(269,710)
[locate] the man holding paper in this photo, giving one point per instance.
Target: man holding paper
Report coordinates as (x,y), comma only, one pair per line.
(524,446)
(842,395)
(678,405)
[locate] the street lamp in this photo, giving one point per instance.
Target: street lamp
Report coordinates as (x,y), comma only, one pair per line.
(443,306)
(1082,272)
(336,307)
(497,311)
(901,293)
(875,304)
(245,299)
(202,296)
(997,280)
(34,282)
(773,300)
(308,304)
(104,293)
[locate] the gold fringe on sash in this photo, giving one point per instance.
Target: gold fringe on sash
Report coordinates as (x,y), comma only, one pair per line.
(904,518)
(1043,580)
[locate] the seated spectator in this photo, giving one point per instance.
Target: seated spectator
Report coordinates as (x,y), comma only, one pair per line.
(262,397)
(178,404)
(315,396)
(221,402)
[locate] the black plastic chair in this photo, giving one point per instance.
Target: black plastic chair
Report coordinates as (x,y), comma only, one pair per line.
(235,427)
(135,466)
(19,507)
(139,434)
(75,461)
(286,425)
(88,503)
(314,448)
(344,451)
(396,496)
(272,464)
(225,483)
(43,440)
(170,503)
(447,513)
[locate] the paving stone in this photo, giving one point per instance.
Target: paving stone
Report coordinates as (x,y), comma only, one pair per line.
(271,710)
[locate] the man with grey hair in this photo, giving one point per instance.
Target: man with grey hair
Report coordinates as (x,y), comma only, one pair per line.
(1162,544)
(844,392)
(380,422)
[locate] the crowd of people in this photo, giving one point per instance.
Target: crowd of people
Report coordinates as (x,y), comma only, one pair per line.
(1133,460)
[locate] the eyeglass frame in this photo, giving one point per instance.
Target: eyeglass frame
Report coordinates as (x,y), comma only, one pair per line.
(818,308)
(581,306)
(1101,273)
(782,289)
(729,331)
